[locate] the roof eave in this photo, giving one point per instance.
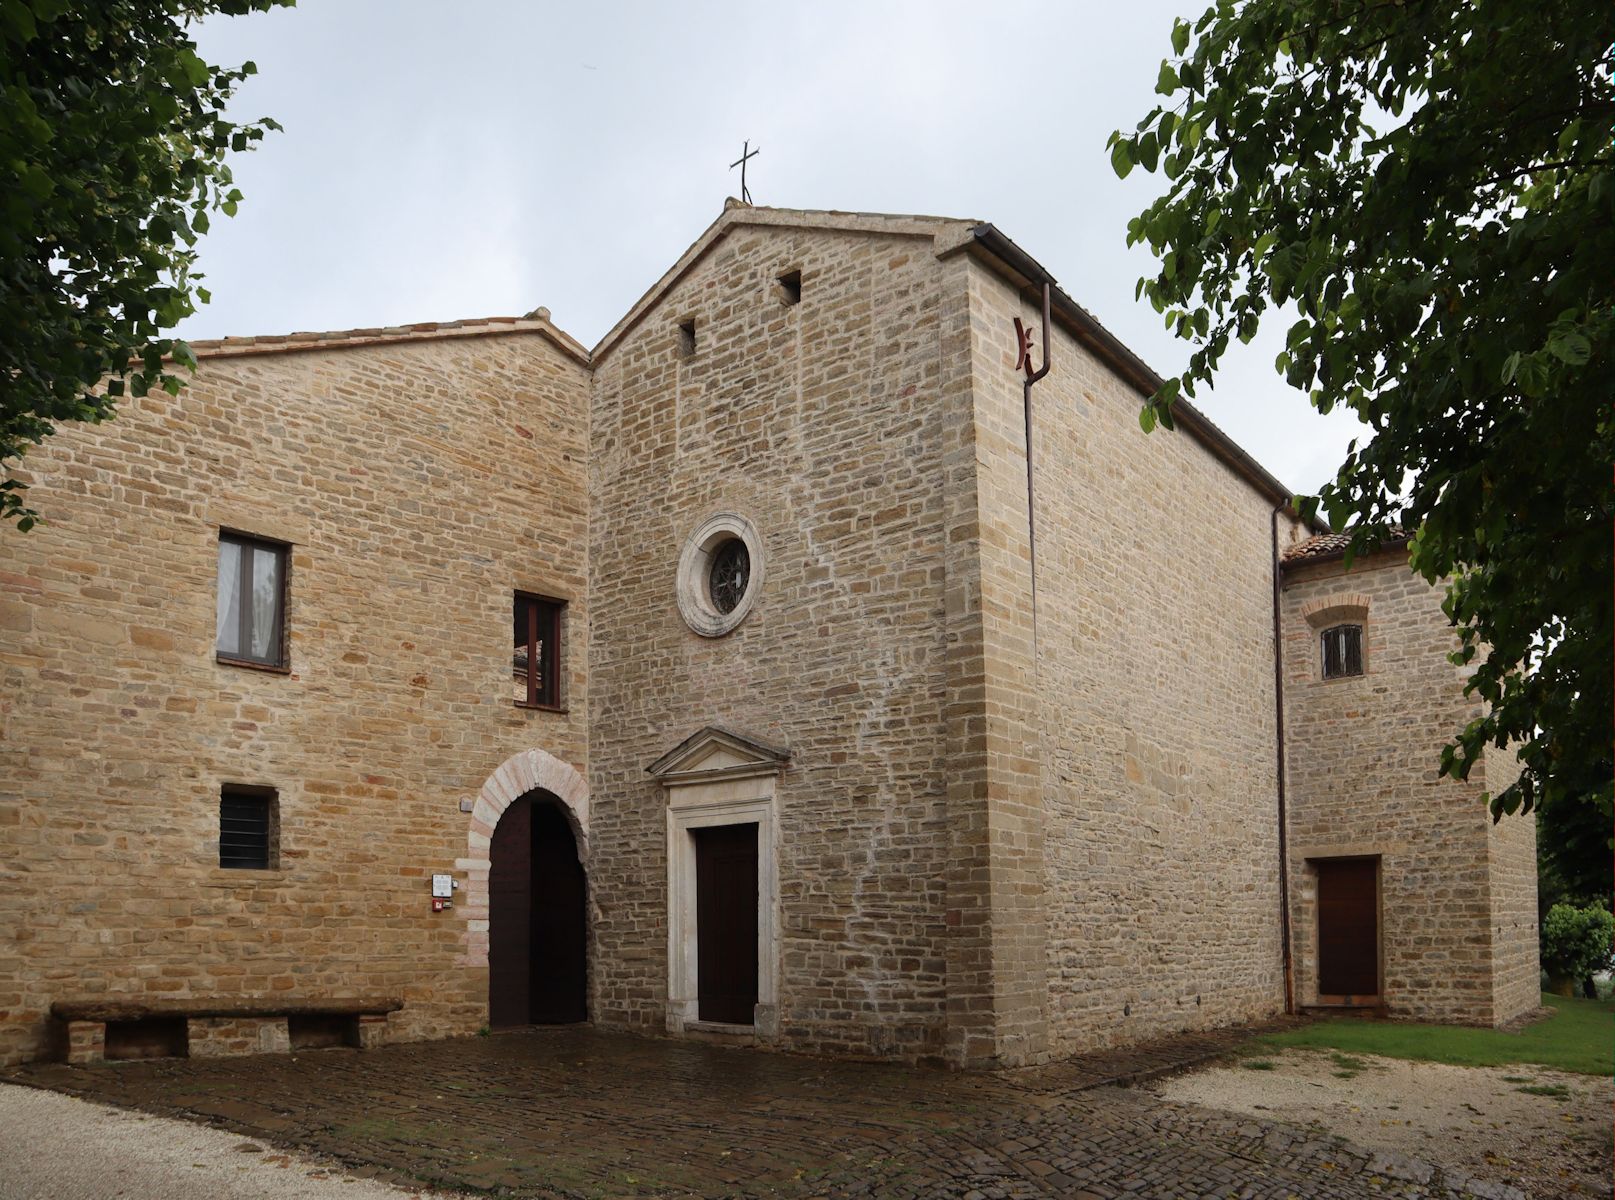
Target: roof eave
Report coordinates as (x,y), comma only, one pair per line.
(1307,560)
(428,331)
(1082,325)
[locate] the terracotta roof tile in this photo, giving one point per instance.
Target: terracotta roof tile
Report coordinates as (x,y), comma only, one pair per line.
(1333,545)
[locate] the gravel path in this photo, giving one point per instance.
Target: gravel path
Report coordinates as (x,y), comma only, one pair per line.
(1543,1131)
(56,1147)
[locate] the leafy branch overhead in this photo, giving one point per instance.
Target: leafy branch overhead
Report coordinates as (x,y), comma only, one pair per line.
(113,142)
(1423,191)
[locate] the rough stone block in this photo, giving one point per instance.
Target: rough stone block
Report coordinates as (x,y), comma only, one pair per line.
(86,1042)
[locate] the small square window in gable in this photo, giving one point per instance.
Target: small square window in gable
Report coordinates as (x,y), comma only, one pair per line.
(687,338)
(789,288)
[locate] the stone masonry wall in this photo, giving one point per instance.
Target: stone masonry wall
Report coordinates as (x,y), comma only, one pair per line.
(420,480)
(1457,898)
(821,423)
(1511,856)
(998,987)
(211,1037)
(1153,698)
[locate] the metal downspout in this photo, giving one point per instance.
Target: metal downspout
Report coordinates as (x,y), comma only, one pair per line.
(1023,344)
(1278,710)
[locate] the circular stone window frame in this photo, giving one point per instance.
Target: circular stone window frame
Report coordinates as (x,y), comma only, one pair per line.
(695,566)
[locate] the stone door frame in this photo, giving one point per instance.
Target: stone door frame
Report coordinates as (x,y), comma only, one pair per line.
(1388,858)
(683,932)
(527,771)
(720,778)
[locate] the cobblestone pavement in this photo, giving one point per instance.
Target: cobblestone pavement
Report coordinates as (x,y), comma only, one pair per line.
(584,1113)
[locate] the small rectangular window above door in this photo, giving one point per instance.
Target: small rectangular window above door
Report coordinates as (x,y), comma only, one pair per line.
(251,601)
(536,660)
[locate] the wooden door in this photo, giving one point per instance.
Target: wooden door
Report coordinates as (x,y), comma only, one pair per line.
(510,917)
(559,975)
(537,919)
(726,923)
(1348,927)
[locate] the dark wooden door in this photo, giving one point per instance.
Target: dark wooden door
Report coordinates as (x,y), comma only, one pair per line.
(510,917)
(1348,927)
(537,923)
(726,923)
(560,928)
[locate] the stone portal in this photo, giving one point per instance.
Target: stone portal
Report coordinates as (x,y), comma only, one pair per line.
(723,884)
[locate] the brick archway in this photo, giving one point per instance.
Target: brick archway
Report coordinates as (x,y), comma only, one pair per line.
(530,770)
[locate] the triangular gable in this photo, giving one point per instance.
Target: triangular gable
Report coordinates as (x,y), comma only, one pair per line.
(714,753)
(946,232)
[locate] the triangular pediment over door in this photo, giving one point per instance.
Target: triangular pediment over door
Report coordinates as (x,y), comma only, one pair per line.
(713,753)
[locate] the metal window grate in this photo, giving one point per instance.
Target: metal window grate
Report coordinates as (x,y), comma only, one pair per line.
(245,820)
(1342,651)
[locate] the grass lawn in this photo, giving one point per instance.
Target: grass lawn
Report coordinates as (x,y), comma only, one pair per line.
(1579,1037)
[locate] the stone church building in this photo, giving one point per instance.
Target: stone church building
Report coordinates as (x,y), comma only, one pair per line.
(395,683)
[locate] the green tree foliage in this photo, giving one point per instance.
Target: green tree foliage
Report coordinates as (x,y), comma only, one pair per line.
(1572,850)
(1423,189)
(112,156)
(1576,941)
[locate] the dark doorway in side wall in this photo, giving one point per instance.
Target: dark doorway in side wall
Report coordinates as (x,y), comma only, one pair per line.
(537,918)
(320,1031)
(152,1037)
(1348,928)
(726,923)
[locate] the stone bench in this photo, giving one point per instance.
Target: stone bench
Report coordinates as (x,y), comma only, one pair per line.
(213,1026)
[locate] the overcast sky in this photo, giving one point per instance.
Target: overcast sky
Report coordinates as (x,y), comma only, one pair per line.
(443,160)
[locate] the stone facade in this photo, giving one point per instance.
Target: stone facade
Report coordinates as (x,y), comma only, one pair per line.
(991,835)
(820,423)
(419,477)
(1457,893)
(1151,697)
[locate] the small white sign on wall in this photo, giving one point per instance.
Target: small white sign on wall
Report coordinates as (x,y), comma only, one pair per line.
(442,887)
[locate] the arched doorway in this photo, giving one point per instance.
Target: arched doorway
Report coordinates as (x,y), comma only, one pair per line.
(537,917)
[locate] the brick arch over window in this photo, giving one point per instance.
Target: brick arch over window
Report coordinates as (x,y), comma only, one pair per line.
(1339,609)
(528,771)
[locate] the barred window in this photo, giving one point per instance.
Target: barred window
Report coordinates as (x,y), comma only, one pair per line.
(248,828)
(1342,651)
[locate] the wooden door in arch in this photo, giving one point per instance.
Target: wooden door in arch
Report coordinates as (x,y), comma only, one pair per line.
(537,918)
